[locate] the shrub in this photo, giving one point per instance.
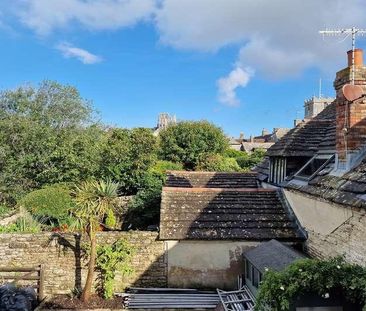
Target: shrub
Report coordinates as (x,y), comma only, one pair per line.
(110,259)
(52,203)
(218,163)
(322,277)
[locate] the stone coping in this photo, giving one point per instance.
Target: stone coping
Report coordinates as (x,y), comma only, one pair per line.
(46,309)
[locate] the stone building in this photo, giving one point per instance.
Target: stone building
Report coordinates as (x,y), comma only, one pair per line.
(263,141)
(209,219)
(321,166)
(315,105)
(164,120)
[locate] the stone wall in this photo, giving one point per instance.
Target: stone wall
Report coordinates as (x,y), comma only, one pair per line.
(333,230)
(65,265)
(349,240)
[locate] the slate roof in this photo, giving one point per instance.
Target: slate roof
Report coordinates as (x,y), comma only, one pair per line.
(308,137)
(349,189)
(313,137)
(205,213)
(249,146)
(262,169)
(272,255)
(211,180)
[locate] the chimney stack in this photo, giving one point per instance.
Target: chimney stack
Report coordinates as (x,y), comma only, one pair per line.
(358,58)
(350,115)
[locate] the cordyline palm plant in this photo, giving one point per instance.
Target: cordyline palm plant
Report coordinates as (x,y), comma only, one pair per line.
(93,200)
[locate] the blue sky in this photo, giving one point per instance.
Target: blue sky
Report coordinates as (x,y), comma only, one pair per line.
(242,66)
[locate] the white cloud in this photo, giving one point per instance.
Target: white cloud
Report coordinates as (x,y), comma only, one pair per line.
(44,16)
(274,62)
(70,51)
(238,77)
(279,37)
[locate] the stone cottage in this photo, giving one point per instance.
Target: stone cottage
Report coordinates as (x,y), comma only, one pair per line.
(209,219)
(321,167)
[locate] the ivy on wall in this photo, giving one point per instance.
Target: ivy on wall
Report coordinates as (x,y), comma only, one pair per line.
(322,277)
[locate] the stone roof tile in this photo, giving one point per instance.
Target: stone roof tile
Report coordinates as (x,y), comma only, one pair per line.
(226,214)
(309,137)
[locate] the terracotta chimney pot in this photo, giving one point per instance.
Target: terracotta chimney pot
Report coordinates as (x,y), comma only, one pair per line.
(358,58)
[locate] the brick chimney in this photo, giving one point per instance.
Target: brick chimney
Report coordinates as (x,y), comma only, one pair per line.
(350,115)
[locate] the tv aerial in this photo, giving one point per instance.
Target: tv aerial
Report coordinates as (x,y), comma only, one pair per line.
(350,91)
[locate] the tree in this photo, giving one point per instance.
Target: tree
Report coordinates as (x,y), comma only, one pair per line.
(93,200)
(144,209)
(187,142)
(47,136)
(127,156)
(218,163)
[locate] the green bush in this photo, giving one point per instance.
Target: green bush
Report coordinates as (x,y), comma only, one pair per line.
(321,277)
(110,259)
(218,163)
(52,203)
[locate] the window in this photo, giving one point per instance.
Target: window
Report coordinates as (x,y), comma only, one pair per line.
(248,270)
(255,277)
(314,166)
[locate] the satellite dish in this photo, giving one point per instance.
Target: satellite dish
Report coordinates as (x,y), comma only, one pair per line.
(352,92)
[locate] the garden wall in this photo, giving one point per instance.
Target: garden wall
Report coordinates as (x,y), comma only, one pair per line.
(65,264)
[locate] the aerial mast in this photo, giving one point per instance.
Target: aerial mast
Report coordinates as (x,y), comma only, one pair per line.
(347,31)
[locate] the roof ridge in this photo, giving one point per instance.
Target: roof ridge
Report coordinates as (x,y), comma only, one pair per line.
(210,173)
(205,189)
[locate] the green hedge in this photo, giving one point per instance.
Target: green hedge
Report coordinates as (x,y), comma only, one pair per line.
(51,204)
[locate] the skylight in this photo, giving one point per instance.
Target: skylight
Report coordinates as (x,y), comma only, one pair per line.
(314,166)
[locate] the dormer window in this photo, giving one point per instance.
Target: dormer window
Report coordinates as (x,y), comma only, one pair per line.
(314,166)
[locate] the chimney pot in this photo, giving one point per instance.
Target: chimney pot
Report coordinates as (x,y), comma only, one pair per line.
(358,58)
